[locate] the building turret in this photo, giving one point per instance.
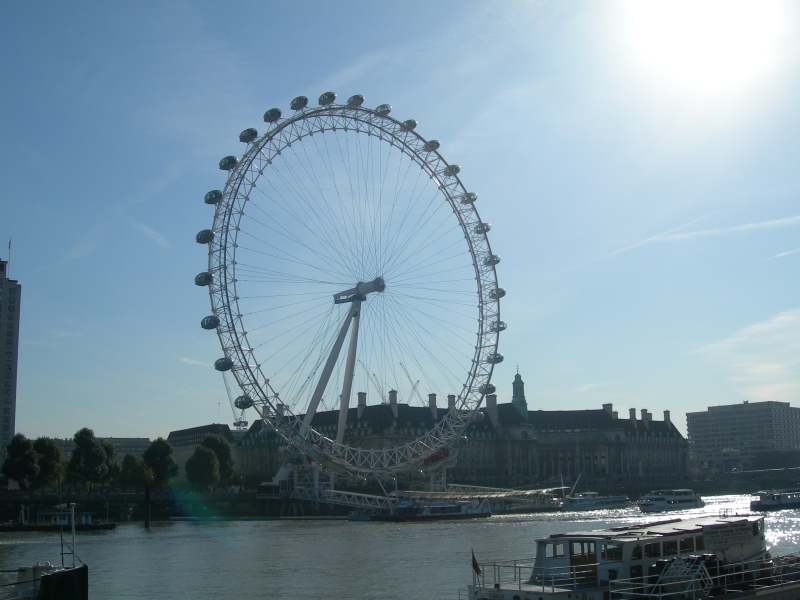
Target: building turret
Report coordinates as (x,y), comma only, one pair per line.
(518,397)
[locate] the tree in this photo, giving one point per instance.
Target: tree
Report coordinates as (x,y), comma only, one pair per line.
(158,457)
(21,464)
(93,460)
(134,473)
(222,449)
(202,469)
(50,460)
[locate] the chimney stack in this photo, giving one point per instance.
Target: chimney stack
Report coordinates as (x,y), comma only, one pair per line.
(491,409)
(632,416)
(615,414)
(609,408)
(362,403)
(666,417)
(393,402)
(432,406)
(645,418)
(451,402)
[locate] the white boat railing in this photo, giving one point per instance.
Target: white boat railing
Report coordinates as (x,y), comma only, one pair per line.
(685,578)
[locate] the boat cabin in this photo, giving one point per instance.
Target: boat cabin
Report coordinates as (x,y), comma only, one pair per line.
(631,552)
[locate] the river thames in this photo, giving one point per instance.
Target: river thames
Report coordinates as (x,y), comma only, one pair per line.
(326,559)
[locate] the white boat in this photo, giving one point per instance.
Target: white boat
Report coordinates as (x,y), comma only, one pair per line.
(667,560)
(593,501)
(664,500)
(776,500)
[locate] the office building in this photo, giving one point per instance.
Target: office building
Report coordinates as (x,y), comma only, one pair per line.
(730,437)
(10,297)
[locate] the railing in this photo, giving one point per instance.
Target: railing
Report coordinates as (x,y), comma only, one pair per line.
(686,578)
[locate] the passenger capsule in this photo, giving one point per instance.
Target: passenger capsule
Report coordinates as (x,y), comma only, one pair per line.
(495,358)
(327,98)
(497,293)
(491,260)
(299,103)
(469,198)
(487,389)
(384,109)
(431,145)
(204,237)
(409,125)
(203,279)
(267,431)
(223,364)
(227,163)
(272,115)
(240,424)
(355,101)
(452,170)
(243,402)
(483,228)
(248,135)
(213,197)
(210,322)
(499,326)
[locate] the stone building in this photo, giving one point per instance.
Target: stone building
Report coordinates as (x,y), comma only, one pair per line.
(184,441)
(10,305)
(507,444)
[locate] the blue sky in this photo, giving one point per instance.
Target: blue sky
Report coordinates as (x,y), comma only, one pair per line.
(638,166)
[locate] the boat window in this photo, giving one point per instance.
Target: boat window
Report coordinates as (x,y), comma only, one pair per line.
(554,550)
(652,550)
(582,549)
(671,548)
(611,552)
(637,552)
(698,542)
(687,545)
(755,528)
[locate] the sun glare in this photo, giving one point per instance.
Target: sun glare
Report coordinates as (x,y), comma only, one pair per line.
(706,45)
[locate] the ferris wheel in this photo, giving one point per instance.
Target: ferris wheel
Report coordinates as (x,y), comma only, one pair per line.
(341,223)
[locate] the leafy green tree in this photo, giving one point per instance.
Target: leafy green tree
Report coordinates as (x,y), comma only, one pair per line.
(134,473)
(222,449)
(50,460)
(21,464)
(158,457)
(202,469)
(93,460)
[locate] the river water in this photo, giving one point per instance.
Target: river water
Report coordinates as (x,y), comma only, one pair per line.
(325,559)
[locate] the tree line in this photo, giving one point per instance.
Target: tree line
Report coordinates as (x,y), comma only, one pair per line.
(40,462)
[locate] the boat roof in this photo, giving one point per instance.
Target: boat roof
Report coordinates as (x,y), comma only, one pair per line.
(656,529)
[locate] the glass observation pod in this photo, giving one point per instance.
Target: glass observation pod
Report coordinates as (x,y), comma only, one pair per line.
(487,389)
(243,402)
(228,163)
(223,364)
(491,260)
(327,98)
(213,197)
(209,322)
(272,115)
(499,326)
(469,198)
(452,170)
(384,109)
(494,359)
(299,103)
(248,135)
(431,145)
(206,236)
(497,293)
(203,279)
(355,101)
(483,228)
(409,125)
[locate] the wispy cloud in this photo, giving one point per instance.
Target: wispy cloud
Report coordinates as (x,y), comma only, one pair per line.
(787,253)
(197,363)
(87,243)
(763,359)
(159,239)
(589,386)
(671,236)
